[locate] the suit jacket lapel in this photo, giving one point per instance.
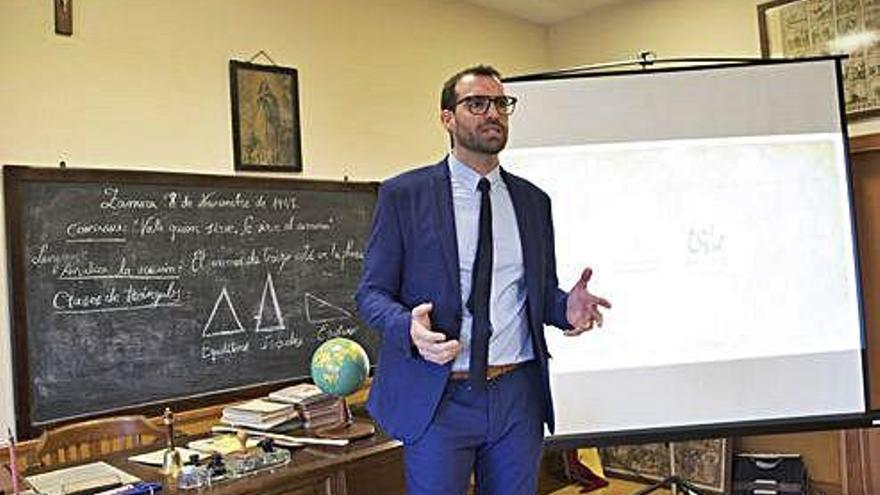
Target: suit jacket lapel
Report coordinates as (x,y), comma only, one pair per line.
(529,240)
(444,216)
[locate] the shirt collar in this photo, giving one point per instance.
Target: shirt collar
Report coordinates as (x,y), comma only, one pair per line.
(469,177)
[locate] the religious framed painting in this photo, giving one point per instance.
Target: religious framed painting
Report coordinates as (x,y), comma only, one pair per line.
(265,117)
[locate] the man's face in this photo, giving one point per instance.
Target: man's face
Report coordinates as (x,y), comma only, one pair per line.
(487,133)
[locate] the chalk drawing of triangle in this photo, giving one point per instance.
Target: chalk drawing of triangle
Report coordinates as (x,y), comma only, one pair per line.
(321,311)
(275,320)
(223,320)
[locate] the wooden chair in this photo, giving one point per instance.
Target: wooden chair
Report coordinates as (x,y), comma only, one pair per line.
(89,439)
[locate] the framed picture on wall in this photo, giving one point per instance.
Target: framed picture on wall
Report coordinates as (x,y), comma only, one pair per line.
(64,17)
(803,28)
(706,464)
(646,462)
(265,117)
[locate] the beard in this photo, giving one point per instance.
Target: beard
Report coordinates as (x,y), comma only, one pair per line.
(475,140)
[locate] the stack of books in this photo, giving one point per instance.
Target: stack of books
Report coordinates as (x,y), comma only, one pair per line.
(315,407)
(260,414)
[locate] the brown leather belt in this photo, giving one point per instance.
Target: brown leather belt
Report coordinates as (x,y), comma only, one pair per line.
(492,372)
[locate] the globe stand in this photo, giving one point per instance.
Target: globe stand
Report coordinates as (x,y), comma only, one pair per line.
(339,367)
(350,428)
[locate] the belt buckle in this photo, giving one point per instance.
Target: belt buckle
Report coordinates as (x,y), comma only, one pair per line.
(493,373)
(458,375)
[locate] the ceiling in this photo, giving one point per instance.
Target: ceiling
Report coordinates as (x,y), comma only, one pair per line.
(543,11)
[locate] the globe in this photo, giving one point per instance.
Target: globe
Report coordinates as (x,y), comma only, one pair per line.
(340,366)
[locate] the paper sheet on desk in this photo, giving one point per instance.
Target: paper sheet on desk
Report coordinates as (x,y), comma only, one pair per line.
(157,457)
(77,478)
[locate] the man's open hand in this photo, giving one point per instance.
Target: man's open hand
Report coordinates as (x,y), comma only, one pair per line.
(582,310)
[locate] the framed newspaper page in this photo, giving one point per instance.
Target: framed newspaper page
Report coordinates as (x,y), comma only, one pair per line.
(706,464)
(804,28)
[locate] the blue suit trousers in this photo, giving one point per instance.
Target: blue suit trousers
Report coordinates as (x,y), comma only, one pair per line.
(495,433)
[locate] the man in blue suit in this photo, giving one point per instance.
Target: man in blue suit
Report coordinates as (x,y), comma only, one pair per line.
(459,278)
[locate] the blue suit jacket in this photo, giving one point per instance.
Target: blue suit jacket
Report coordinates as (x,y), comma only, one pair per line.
(412,258)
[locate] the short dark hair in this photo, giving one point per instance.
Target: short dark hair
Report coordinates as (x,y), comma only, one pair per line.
(447,96)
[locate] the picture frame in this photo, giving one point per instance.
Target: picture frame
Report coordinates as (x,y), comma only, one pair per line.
(805,28)
(64,17)
(646,462)
(265,117)
(706,464)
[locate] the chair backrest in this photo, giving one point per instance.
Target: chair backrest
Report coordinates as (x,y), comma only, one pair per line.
(82,441)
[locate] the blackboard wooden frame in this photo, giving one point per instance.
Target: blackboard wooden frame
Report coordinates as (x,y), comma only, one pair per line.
(15,177)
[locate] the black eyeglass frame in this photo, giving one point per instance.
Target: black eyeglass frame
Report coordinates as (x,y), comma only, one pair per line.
(504,104)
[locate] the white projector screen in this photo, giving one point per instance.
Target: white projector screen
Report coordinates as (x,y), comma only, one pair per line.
(715,208)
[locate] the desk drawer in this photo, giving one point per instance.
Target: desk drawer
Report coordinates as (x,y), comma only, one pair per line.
(379,475)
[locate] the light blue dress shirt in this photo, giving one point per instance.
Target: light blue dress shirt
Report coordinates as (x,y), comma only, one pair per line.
(510,341)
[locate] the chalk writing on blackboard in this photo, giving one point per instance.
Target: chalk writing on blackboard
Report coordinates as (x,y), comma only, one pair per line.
(178,286)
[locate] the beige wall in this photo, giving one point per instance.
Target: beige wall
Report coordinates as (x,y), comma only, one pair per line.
(144,84)
(670,29)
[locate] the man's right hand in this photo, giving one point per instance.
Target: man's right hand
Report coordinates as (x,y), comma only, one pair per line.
(433,346)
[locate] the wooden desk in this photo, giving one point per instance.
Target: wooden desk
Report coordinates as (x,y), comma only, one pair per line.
(366,467)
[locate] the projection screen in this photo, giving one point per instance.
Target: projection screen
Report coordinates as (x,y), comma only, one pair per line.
(715,208)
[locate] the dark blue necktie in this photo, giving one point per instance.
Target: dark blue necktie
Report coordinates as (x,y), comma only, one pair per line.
(481,288)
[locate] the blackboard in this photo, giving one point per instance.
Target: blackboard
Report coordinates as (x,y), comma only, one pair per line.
(132,291)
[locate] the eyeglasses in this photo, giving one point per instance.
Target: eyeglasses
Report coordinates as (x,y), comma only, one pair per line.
(479,104)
